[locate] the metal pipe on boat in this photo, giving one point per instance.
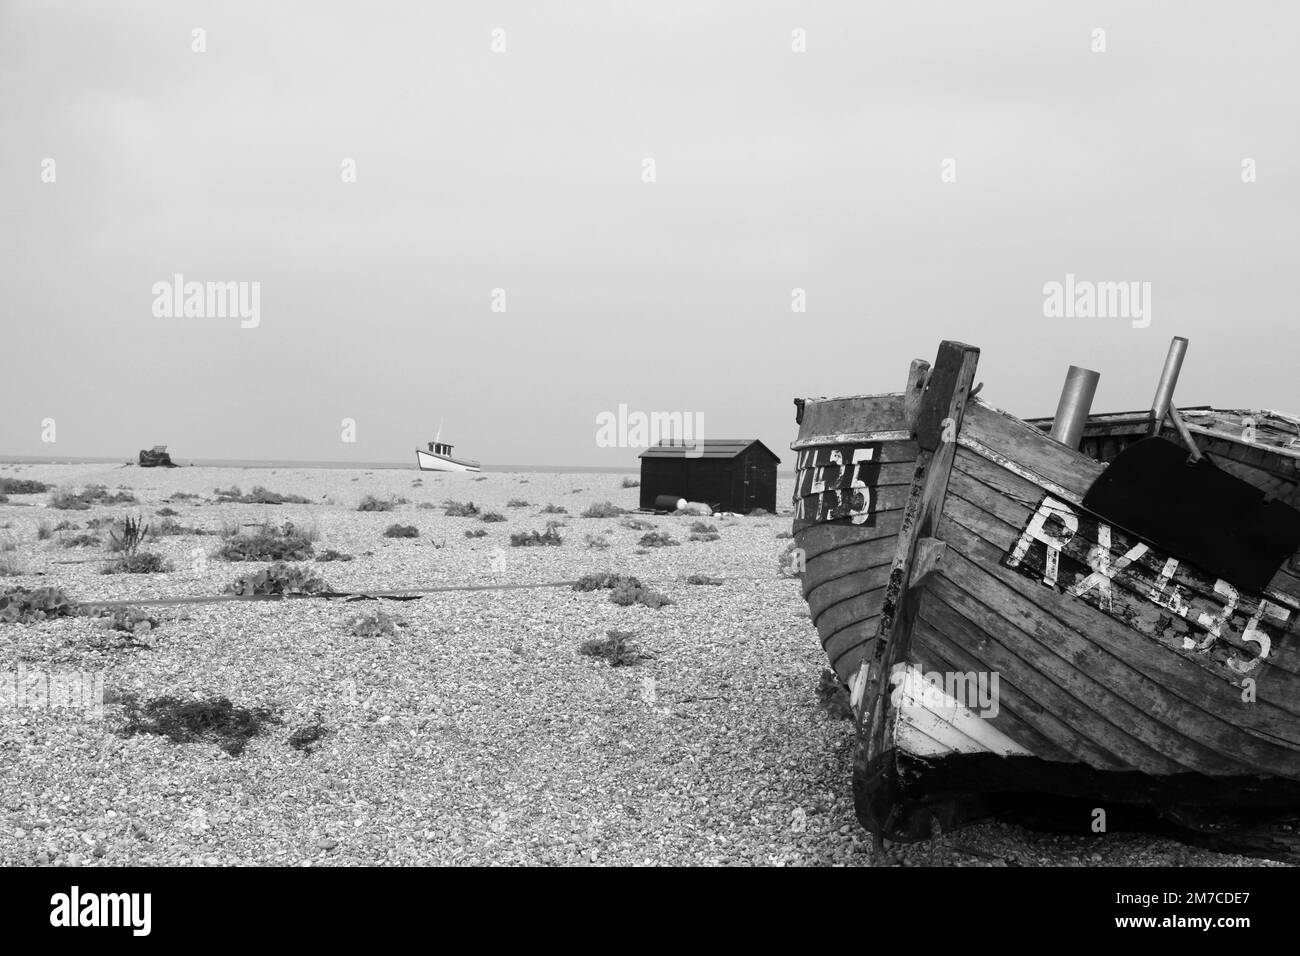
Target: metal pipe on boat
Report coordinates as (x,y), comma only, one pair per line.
(1075,404)
(1168,380)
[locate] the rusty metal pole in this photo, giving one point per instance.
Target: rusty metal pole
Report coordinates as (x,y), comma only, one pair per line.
(1168,380)
(1075,405)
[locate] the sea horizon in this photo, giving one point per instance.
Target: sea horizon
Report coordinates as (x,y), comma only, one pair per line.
(300,463)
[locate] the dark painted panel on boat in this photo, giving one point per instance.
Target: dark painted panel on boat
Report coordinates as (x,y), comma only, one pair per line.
(837,483)
(1198,512)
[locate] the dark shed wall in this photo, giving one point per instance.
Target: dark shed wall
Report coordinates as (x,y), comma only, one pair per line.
(741,484)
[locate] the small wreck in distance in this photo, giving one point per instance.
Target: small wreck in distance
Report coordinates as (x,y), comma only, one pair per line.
(156,457)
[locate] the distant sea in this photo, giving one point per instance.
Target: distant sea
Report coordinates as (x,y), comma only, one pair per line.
(287,463)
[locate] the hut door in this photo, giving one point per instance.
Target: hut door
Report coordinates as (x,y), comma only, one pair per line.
(751,479)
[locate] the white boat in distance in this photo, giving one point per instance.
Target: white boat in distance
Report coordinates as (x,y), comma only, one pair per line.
(439,458)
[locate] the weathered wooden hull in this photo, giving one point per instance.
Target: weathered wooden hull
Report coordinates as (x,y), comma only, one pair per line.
(847,515)
(1070,657)
(1254,445)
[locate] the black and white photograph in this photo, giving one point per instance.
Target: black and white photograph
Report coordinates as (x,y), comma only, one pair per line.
(644,435)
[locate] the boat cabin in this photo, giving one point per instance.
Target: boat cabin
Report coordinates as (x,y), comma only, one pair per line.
(440,448)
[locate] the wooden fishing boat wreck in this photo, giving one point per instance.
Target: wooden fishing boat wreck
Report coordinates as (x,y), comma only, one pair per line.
(1099,606)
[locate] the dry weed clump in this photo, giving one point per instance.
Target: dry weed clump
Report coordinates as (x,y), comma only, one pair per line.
(616,647)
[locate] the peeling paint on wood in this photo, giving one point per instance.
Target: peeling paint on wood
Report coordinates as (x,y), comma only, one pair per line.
(1074,552)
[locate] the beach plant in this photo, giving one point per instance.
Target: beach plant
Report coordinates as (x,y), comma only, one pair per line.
(402,531)
(10,568)
(82,541)
(658,539)
(596,542)
(169,527)
(631,483)
(183,496)
(615,647)
(329,554)
(44,531)
(790,561)
(833,697)
(371,503)
(66,500)
(258,496)
(66,525)
(458,509)
(555,510)
(492,517)
(637,524)
(207,720)
(268,543)
(710,536)
(626,593)
(127,536)
(138,562)
(476,533)
(704,579)
(373,623)
(525,539)
(280,578)
(166,512)
(306,737)
(604,580)
(517,503)
(19,605)
(603,509)
(703,527)
(22,486)
(132,620)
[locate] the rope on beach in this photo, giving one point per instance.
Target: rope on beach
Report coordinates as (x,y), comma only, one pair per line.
(401,594)
(404,594)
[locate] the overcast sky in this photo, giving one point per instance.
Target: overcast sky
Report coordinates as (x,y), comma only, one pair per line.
(523,170)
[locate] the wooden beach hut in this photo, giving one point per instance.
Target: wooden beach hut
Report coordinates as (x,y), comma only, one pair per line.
(727,474)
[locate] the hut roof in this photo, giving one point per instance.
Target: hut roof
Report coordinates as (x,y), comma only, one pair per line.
(711,448)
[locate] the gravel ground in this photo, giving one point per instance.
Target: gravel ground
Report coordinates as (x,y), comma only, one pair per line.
(475,733)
